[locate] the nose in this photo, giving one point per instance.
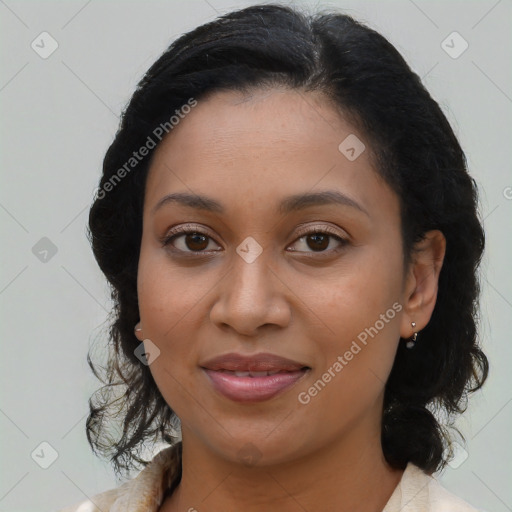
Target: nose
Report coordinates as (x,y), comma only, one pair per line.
(251,297)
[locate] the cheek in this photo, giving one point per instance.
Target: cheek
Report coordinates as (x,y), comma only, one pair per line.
(357,298)
(168,306)
(166,295)
(361,311)
(173,302)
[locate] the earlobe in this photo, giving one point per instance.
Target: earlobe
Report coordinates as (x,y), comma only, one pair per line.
(421,288)
(138,331)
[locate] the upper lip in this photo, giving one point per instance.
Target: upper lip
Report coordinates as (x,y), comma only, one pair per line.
(255,363)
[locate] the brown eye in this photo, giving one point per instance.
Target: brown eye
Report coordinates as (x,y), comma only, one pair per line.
(320,240)
(188,240)
(196,241)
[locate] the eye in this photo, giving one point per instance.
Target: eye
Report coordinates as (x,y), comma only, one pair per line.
(319,239)
(188,238)
(193,239)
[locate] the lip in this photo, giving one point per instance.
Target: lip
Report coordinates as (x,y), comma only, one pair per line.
(260,362)
(221,374)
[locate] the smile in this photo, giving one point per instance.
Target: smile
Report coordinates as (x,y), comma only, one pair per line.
(252,378)
(248,386)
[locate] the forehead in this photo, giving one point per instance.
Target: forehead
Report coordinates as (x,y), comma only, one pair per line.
(226,122)
(255,147)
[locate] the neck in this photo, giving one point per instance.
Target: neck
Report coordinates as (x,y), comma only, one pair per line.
(341,476)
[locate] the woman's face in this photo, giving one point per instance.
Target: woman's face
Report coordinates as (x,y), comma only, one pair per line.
(315,281)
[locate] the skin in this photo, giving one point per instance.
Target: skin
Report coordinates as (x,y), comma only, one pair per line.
(249,151)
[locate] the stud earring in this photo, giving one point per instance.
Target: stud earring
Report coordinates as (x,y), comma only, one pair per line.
(412,340)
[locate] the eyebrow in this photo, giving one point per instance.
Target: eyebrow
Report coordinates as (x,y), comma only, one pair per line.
(288,205)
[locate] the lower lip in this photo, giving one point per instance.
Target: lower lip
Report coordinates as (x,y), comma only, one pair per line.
(252,389)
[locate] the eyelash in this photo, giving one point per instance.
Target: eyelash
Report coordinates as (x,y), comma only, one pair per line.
(190,229)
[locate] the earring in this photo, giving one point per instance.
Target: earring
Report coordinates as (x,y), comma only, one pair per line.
(412,340)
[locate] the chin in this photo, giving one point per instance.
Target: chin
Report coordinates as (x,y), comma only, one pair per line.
(250,448)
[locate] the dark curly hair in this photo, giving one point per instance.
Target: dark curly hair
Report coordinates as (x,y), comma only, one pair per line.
(415,151)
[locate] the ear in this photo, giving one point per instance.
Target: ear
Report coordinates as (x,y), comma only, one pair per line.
(421,283)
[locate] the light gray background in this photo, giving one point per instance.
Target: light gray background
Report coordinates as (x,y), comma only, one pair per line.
(59,115)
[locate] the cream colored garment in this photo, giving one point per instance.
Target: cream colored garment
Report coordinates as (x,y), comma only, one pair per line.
(416,492)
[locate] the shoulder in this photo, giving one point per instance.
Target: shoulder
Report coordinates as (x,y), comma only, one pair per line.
(143,493)
(420,492)
(441,500)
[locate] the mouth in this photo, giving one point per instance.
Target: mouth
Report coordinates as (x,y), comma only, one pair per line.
(252,374)
(253,378)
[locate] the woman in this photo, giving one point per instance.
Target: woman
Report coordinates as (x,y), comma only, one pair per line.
(292,240)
